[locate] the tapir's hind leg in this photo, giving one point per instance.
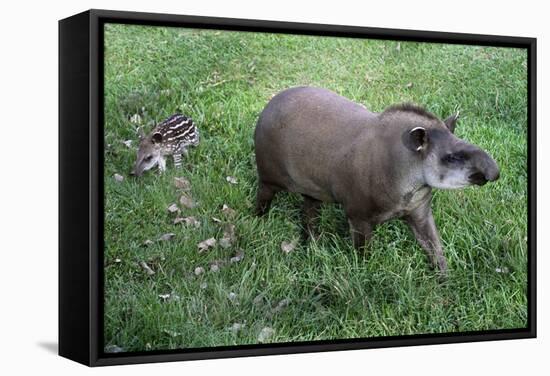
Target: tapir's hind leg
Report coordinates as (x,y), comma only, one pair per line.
(264,197)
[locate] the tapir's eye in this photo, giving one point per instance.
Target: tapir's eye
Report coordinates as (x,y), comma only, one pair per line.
(454,158)
(148,158)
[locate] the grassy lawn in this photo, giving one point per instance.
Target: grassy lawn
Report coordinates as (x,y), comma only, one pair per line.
(323,290)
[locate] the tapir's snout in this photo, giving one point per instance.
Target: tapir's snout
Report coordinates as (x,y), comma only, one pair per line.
(486,169)
(136,172)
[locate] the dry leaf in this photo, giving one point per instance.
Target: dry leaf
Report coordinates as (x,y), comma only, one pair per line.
(113,349)
(288,247)
(238,256)
(214,268)
(199,270)
(173,208)
(258,300)
(203,285)
(231,179)
(118,177)
(182,183)
(217,220)
(118,261)
(228,236)
(236,327)
(128,143)
(148,242)
(232,296)
(169,297)
(187,201)
(206,244)
(136,119)
(398,47)
(172,333)
(146,267)
(168,236)
(228,211)
(281,305)
(409,85)
(189,221)
(265,334)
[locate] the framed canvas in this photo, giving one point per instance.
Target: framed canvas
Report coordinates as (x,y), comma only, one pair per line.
(234,187)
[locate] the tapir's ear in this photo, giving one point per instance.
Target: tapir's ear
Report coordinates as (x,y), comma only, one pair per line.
(156,138)
(417,139)
(450,122)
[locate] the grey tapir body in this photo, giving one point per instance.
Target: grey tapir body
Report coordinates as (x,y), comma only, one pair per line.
(379,166)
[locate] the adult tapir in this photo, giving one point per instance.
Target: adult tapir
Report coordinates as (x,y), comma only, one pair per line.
(379,166)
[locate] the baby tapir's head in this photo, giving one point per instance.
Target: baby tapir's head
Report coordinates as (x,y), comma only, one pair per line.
(148,154)
(447,162)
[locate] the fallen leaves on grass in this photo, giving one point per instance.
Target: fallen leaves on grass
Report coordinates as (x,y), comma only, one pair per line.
(216,265)
(136,119)
(236,327)
(171,333)
(258,300)
(148,243)
(146,268)
(187,202)
(231,179)
(289,246)
(168,297)
(182,183)
(167,237)
(228,211)
(228,236)
(188,221)
(173,208)
(199,270)
(113,349)
(205,245)
(128,143)
(281,305)
(238,256)
(118,178)
(265,334)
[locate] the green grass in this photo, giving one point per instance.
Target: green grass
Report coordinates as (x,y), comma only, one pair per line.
(223,80)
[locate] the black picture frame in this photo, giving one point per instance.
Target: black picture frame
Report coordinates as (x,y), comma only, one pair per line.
(81,188)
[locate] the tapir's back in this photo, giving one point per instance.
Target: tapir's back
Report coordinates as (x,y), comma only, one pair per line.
(301,135)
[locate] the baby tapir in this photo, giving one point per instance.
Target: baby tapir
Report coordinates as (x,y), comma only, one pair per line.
(379,166)
(170,137)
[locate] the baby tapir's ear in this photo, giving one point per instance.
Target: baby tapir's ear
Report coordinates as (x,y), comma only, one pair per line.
(416,139)
(156,138)
(450,122)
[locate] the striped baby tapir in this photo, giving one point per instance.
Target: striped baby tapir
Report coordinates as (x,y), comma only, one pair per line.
(170,137)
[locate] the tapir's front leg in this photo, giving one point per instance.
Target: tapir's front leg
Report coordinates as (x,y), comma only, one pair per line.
(361,231)
(177,160)
(422,224)
(162,164)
